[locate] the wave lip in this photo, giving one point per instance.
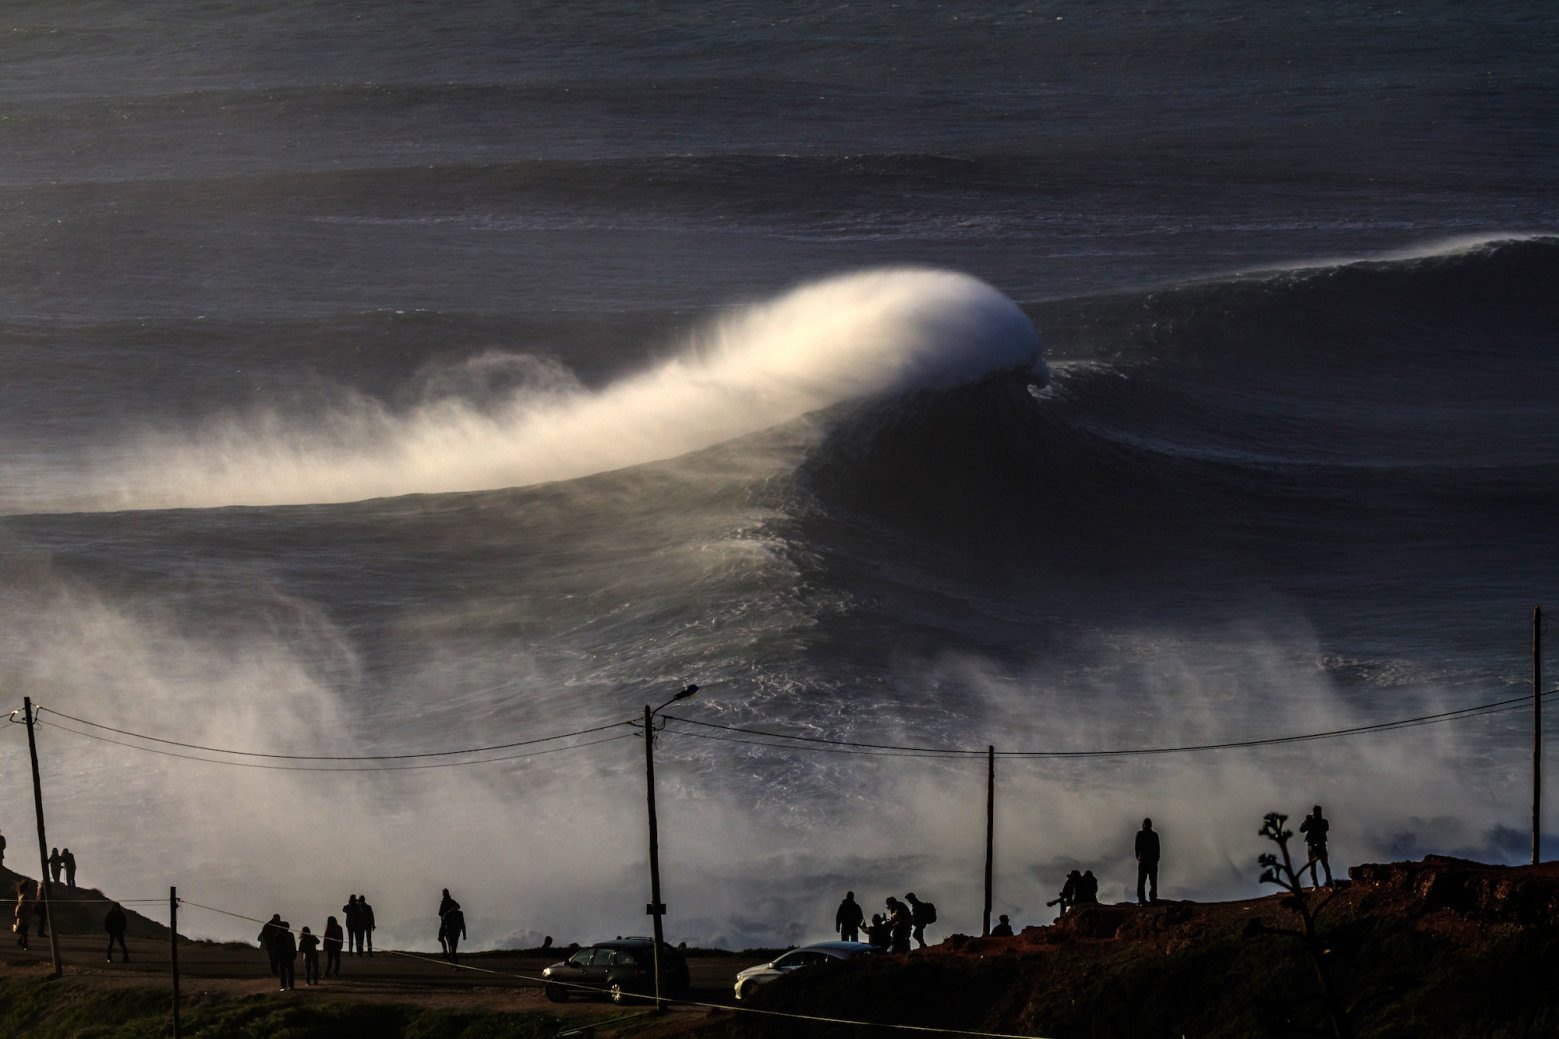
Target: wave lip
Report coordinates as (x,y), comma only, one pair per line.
(856,335)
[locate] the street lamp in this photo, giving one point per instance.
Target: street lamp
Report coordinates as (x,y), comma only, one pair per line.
(656,909)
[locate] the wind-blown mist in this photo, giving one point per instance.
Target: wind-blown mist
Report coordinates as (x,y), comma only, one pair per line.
(851,336)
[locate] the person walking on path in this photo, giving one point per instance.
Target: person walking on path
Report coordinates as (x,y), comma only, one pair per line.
(286,956)
(114,923)
(1147,863)
(267,938)
(24,911)
(308,945)
(332,948)
(445,905)
(452,928)
(1314,828)
(365,920)
(69,861)
(921,914)
(849,918)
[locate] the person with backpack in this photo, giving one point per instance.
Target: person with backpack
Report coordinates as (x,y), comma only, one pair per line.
(921,913)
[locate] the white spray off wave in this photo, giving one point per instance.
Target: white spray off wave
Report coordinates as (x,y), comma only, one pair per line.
(852,336)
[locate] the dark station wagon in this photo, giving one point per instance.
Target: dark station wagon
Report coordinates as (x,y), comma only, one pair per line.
(620,969)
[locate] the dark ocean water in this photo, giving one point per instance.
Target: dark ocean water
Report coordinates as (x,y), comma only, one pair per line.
(398,377)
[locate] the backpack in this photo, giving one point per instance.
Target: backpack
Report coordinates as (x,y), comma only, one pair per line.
(927,913)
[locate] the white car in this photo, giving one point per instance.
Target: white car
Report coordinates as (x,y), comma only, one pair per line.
(795,959)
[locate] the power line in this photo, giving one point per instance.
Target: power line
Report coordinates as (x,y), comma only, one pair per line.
(837,746)
(333,757)
(346,768)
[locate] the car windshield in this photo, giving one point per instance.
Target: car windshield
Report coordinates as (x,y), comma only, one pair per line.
(581,958)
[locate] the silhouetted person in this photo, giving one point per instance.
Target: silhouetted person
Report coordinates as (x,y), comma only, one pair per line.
(115,923)
(878,932)
(354,928)
(55,865)
(849,918)
(267,938)
(1087,888)
(332,948)
(900,923)
(286,955)
(308,945)
(452,928)
(1314,828)
(920,914)
(1147,863)
(445,904)
(365,918)
(2,849)
(1003,929)
(24,911)
(546,943)
(1068,896)
(69,862)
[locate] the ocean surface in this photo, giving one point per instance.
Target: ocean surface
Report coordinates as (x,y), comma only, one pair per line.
(392,387)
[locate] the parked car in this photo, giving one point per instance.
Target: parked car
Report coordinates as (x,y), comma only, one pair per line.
(796,959)
(621,969)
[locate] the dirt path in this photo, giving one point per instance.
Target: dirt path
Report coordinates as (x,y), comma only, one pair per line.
(494,981)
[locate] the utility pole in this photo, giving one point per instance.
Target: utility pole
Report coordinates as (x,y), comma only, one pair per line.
(173,952)
(43,842)
(1537,731)
(656,909)
(990,833)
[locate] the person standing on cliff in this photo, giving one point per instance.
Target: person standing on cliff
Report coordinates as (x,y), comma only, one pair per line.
(365,920)
(2,849)
(1314,828)
(848,920)
(69,862)
(55,865)
(1147,864)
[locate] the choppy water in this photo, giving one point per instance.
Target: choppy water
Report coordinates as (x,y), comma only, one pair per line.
(400,377)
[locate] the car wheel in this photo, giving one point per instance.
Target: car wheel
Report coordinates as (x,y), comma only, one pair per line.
(745,992)
(556,993)
(619,994)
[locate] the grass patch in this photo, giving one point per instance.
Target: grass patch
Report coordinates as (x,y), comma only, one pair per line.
(67,1010)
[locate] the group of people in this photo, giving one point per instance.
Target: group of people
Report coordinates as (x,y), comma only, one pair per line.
(282,947)
(892,930)
(1083,888)
(359,924)
(62,862)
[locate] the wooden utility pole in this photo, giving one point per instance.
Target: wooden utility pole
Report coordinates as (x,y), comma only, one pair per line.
(173,952)
(43,843)
(656,908)
(1537,731)
(990,833)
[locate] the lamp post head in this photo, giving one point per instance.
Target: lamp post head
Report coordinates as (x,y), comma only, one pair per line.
(684,694)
